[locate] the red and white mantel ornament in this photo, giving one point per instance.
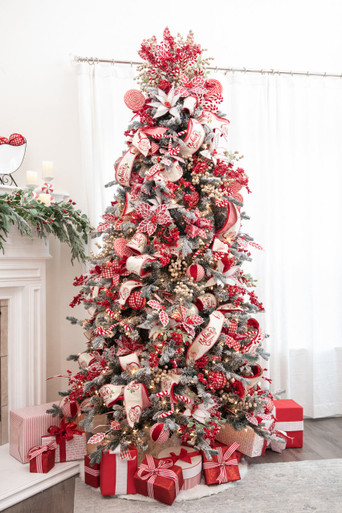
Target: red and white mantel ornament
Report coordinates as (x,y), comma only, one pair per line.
(136,301)
(158,434)
(134,99)
(207,338)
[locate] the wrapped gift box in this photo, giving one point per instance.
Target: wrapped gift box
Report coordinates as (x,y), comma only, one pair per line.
(116,474)
(42,458)
(159,479)
(289,418)
(190,462)
(27,425)
(223,467)
(250,443)
(91,473)
(68,450)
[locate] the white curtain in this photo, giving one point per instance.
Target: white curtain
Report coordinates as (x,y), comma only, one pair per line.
(289,129)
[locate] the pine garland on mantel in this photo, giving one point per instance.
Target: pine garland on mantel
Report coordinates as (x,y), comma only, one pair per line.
(60,219)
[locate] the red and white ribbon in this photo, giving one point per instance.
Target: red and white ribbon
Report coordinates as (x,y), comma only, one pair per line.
(193,139)
(135,264)
(138,243)
(126,289)
(223,461)
(207,338)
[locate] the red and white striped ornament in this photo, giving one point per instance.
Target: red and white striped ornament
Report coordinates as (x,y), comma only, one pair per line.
(136,301)
(217,380)
(70,408)
(134,99)
(120,247)
(158,434)
(196,272)
(96,439)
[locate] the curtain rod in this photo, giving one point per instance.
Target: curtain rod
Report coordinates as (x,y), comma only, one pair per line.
(95,60)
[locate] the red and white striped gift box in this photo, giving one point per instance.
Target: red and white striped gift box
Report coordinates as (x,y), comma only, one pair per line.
(27,425)
(69,450)
(190,462)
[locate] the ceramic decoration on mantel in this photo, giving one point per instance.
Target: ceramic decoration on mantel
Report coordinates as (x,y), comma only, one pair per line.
(12,153)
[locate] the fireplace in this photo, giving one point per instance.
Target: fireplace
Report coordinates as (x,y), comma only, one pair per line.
(22,299)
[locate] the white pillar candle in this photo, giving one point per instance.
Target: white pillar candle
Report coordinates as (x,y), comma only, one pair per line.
(45,198)
(31,178)
(47,169)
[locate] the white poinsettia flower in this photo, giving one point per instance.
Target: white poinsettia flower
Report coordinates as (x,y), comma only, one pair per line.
(166,103)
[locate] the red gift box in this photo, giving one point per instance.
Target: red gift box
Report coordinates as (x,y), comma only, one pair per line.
(27,425)
(159,479)
(71,442)
(42,458)
(91,473)
(289,418)
(116,474)
(224,467)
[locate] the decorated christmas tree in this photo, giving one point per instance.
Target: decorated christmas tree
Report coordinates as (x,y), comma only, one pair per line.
(173,347)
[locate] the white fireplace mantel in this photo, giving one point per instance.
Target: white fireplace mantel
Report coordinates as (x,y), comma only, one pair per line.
(23,284)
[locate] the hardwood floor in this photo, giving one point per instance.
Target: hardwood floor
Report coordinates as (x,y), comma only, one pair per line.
(322,440)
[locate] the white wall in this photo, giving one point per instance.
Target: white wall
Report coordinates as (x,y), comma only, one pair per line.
(38,85)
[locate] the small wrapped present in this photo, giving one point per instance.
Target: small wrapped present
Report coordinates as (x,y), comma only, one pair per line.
(250,443)
(91,473)
(42,458)
(27,425)
(224,467)
(289,419)
(71,442)
(190,462)
(117,469)
(159,479)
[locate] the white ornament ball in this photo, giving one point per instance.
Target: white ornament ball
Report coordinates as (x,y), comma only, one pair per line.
(193,310)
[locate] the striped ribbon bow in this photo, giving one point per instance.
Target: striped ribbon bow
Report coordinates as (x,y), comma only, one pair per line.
(149,472)
(223,461)
(39,449)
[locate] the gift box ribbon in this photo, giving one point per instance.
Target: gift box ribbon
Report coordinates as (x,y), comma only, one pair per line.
(223,461)
(64,433)
(37,452)
(184,455)
(149,472)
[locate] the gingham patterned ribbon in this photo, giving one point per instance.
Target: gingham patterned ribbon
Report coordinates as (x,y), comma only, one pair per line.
(223,461)
(149,472)
(92,471)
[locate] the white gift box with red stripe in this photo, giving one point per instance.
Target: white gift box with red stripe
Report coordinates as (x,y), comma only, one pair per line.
(190,462)
(27,425)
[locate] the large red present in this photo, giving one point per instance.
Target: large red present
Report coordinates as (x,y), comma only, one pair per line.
(42,458)
(224,467)
(189,460)
(91,473)
(289,418)
(27,425)
(117,469)
(159,479)
(71,442)
(250,443)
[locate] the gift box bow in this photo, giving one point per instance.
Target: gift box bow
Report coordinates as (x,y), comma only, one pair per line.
(149,472)
(184,455)
(40,449)
(223,461)
(65,431)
